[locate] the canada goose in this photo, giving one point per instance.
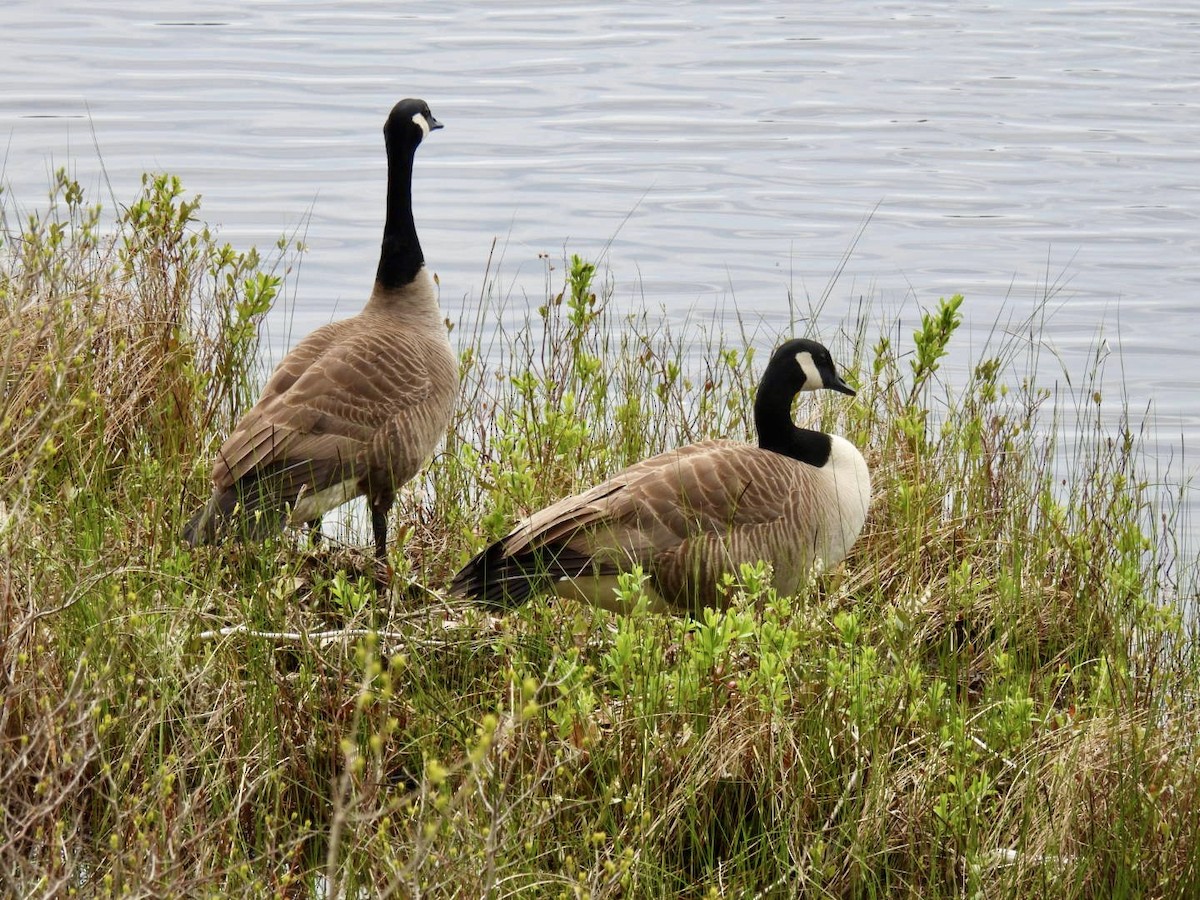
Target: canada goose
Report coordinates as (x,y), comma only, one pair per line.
(357,406)
(690,515)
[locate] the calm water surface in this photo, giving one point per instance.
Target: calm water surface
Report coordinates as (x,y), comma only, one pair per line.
(716,156)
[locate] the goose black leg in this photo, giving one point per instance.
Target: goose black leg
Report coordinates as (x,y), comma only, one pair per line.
(380,506)
(314,530)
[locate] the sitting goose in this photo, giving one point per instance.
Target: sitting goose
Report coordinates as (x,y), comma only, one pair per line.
(690,515)
(359,405)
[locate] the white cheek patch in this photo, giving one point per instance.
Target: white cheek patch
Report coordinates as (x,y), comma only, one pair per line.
(812,375)
(419,121)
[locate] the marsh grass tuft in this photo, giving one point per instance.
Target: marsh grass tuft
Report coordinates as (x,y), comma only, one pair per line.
(995,695)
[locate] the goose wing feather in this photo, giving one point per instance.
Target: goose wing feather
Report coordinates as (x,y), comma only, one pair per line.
(330,400)
(718,489)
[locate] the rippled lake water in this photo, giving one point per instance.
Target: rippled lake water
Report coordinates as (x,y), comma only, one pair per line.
(714,155)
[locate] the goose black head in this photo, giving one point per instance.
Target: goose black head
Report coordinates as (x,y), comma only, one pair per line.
(409,122)
(807,366)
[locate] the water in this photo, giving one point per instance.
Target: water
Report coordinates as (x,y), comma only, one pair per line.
(713,155)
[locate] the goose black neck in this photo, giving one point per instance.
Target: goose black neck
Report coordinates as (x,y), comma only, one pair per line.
(776,430)
(400,257)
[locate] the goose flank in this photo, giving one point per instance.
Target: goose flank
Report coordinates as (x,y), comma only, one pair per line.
(359,405)
(690,515)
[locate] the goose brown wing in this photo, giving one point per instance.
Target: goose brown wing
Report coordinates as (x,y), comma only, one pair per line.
(697,517)
(712,487)
(297,361)
(535,552)
(325,407)
(716,488)
(612,503)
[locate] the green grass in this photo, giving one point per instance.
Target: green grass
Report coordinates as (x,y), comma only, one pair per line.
(994,696)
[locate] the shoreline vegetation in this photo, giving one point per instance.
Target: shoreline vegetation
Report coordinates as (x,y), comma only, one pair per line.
(995,695)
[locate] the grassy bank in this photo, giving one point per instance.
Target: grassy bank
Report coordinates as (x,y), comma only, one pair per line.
(995,695)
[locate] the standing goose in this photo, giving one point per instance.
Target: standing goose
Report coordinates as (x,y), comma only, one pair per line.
(357,406)
(690,515)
